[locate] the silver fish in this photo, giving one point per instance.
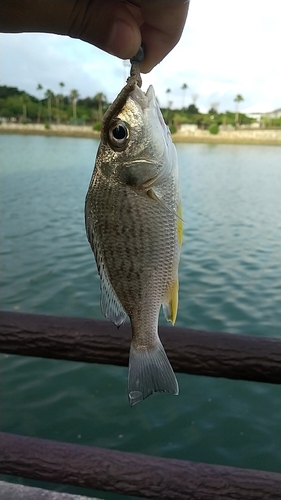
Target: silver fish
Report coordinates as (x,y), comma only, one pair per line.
(134,226)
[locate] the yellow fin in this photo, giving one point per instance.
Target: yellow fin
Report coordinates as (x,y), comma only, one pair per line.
(171,308)
(180,223)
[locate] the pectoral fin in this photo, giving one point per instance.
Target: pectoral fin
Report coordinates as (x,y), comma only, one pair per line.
(156,197)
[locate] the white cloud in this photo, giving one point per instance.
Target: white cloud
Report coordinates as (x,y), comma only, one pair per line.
(29,59)
(226,48)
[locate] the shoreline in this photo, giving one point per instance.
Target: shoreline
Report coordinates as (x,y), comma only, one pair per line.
(250,137)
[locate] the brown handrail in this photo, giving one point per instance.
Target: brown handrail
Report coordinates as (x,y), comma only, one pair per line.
(131,473)
(216,354)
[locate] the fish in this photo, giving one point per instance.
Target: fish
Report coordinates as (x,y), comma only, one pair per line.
(134,223)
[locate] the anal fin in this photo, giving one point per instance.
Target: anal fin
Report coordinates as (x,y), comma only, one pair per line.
(170,307)
(180,223)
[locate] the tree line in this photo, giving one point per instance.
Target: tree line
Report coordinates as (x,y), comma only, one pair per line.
(50,107)
(60,107)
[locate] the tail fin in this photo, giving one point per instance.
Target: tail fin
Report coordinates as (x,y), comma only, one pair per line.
(149,371)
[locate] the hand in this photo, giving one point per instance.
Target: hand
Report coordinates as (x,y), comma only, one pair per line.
(115,26)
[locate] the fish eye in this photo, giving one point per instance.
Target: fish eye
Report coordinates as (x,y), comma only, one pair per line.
(118,135)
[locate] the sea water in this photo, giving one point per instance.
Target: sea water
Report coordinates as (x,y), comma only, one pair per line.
(230,280)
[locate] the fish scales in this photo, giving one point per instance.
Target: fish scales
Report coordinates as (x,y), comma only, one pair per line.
(120,229)
(132,225)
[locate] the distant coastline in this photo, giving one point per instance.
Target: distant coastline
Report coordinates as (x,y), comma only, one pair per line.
(263,137)
(54,129)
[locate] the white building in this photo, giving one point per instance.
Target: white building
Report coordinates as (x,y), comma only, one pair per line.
(260,109)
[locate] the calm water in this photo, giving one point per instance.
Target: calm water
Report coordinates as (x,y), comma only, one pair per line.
(230,280)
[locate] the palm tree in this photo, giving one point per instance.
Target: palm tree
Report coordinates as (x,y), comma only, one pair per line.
(73,97)
(58,98)
(39,112)
(168,91)
(214,108)
(100,98)
(184,89)
(25,100)
(194,98)
(237,99)
(62,85)
(49,96)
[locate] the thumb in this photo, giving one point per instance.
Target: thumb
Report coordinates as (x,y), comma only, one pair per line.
(108,25)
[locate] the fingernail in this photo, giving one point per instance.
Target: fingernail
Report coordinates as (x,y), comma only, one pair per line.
(124,41)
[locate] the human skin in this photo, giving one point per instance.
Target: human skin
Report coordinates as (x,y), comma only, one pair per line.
(115,26)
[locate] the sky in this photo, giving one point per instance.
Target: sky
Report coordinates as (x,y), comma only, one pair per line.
(227,48)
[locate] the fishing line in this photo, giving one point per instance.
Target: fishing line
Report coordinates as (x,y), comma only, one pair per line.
(122,97)
(135,65)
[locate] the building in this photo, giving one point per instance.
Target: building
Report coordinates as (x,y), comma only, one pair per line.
(260,109)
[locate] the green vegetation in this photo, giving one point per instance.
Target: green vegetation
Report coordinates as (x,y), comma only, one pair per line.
(267,122)
(97,127)
(184,89)
(214,128)
(239,98)
(50,108)
(204,121)
(172,128)
(18,106)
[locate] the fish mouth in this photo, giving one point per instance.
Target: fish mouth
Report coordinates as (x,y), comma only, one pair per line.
(144,99)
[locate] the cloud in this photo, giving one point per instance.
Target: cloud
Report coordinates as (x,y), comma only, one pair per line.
(29,59)
(226,48)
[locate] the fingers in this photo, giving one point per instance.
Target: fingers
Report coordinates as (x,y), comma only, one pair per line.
(116,26)
(164,21)
(107,24)
(119,26)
